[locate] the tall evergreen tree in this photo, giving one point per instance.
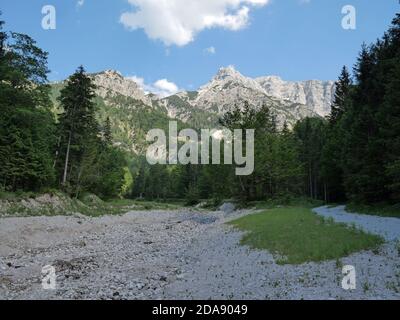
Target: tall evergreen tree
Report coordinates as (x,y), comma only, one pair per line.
(87,163)
(331,161)
(389,113)
(361,149)
(107,132)
(78,127)
(26,124)
(311,133)
(3,38)
(369,126)
(390,131)
(341,97)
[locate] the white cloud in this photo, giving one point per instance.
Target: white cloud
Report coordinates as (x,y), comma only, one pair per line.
(162,87)
(178,21)
(166,87)
(138,80)
(80,3)
(210,50)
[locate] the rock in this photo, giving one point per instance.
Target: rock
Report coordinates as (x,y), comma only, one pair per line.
(227,208)
(163,278)
(201,205)
(112,82)
(140,286)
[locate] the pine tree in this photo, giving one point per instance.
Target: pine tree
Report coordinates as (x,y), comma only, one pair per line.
(363,71)
(3,38)
(361,153)
(390,131)
(311,133)
(389,113)
(107,132)
(78,127)
(341,97)
(26,124)
(331,160)
(370,126)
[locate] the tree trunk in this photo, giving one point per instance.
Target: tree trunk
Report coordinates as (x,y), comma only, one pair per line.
(78,187)
(57,152)
(67,159)
(311,181)
(316,190)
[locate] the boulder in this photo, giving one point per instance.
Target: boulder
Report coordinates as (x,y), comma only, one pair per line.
(227,208)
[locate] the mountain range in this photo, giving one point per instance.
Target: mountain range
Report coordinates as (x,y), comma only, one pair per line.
(133,111)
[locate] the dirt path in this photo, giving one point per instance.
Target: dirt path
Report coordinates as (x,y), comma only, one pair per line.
(169,255)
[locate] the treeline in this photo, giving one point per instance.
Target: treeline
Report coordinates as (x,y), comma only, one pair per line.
(360,157)
(278,170)
(353,155)
(40,150)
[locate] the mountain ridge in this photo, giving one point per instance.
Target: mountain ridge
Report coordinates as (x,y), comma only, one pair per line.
(227,87)
(133,111)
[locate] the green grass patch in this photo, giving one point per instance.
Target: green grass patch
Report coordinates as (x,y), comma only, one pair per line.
(296,235)
(382,210)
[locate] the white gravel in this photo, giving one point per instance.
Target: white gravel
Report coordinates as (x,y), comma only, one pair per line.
(388,228)
(171,255)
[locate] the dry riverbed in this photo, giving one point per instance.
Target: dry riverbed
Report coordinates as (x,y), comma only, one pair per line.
(171,255)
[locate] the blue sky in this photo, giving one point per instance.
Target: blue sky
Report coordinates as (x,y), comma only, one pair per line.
(294,39)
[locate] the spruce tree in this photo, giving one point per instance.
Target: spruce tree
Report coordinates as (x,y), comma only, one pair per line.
(26,124)
(107,132)
(331,160)
(3,38)
(370,126)
(341,97)
(78,127)
(389,113)
(361,153)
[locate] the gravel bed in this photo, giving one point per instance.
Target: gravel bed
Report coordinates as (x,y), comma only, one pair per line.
(388,228)
(171,255)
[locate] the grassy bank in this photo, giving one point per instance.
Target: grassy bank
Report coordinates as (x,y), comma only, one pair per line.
(296,235)
(57,203)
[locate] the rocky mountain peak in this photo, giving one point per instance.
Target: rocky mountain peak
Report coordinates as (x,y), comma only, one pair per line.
(314,93)
(290,99)
(228,79)
(227,72)
(112,73)
(111,82)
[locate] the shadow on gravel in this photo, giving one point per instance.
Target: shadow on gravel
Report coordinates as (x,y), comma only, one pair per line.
(200,218)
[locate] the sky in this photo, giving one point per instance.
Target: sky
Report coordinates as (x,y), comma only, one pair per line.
(170,45)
